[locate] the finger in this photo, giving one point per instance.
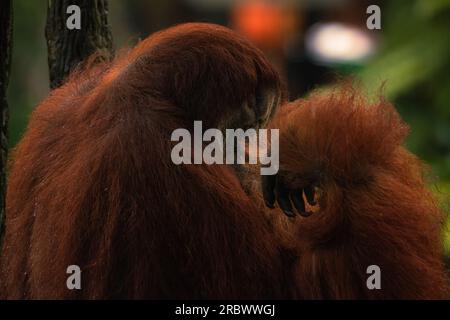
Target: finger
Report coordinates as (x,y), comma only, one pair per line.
(309,193)
(297,200)
(268,186)
(282,195)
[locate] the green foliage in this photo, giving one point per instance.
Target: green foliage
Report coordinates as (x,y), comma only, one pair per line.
(29,70)
(414,64)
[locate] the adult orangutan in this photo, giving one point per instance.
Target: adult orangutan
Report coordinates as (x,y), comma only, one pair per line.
(92,184)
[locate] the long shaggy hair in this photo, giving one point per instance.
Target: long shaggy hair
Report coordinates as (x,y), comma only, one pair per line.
(92,182)
(374,205)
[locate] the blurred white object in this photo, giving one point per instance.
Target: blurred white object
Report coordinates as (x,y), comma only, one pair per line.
(338,43)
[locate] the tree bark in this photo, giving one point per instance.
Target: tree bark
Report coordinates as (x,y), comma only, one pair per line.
(68,48)
(5,67)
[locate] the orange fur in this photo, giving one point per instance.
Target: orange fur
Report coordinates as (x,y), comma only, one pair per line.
(375,208)
(92,182)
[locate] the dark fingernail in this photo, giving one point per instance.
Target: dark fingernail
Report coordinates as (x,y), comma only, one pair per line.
(269,205)
(297,199)
(309,193)
(305,214)
(290,214)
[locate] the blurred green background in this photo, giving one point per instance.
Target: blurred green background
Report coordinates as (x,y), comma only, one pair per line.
(311,42)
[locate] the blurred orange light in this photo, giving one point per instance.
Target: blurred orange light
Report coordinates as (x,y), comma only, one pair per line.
(261,22)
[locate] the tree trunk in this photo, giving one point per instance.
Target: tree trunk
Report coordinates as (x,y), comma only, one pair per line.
(68,48)
(5,67)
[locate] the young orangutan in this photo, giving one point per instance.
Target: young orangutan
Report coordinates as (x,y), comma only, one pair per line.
(373,205)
